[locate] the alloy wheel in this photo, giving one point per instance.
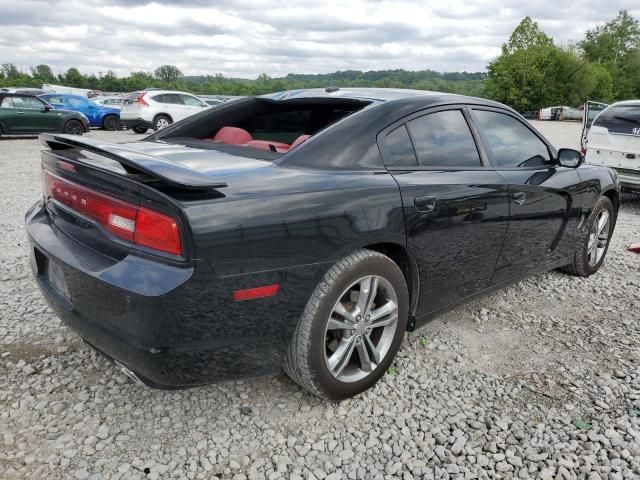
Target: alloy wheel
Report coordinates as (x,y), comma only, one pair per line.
(162,123)
(598,238)
(75,128)
(361,328)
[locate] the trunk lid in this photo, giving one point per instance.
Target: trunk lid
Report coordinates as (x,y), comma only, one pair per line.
(115,197)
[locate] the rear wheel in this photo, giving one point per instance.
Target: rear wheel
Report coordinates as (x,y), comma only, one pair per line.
(351,328)
(160,122)
(111,123)
(73,127)
(139,129)
(594,243)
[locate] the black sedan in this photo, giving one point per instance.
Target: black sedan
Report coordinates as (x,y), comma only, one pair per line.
(306,229)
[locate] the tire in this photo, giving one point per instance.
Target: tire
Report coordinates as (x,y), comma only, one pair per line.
(111,123)
(313,347)
(140,129)
(161,121)
(588,259)
(73,127)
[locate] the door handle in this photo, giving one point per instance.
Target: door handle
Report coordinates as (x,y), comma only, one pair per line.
(519,198)
(425,204)
(19,113)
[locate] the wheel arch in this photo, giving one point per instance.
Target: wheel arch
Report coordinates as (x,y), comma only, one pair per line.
(401,256)
(162,114)
(613,195)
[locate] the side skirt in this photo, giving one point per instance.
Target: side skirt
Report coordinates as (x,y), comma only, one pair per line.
(420,321)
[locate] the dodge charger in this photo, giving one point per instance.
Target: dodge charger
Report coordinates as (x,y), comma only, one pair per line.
(304,230)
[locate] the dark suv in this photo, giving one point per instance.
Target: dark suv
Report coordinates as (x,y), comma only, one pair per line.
(22,114)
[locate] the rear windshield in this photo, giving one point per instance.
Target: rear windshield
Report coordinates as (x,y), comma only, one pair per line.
(259,124)
(620,119)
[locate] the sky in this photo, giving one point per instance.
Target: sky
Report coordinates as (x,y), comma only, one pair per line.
(245,38)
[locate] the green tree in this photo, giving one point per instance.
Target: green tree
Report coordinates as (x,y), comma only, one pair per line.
(608,44)
(523,76)
(10,71)
(43,73)
(74,78)
(168,73)
(615,45)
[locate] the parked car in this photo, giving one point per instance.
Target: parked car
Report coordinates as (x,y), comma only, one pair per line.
(99,115)
(23,90)
(158,109)
(111,101)
(613,140)
(23,114)
(213,102)
(306,230)
(590,111)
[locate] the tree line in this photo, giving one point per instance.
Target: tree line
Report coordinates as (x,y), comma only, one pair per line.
(531,72)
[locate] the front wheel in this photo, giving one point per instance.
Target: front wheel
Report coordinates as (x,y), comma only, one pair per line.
(161,121)
(351,328)
(73,127)
(593,245)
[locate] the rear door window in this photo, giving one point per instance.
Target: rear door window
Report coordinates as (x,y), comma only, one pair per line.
(57,100)
(443,139)
(620,119)
(171,98)
(78,102)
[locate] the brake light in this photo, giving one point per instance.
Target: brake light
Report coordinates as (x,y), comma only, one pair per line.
(129,222)
(140,100)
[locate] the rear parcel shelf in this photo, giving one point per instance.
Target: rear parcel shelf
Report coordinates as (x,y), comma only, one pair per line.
(136,163)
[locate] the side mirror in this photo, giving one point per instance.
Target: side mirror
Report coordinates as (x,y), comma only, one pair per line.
(46,108)
(568,157)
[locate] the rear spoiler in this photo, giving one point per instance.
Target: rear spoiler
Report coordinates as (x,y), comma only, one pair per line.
(136,162)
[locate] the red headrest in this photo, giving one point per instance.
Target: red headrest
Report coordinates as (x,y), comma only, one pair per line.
(299,140)
(233,135)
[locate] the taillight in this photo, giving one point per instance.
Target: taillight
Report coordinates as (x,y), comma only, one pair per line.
(140,100)
(135,224)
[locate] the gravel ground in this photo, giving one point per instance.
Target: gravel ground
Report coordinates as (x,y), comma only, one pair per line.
(540,380)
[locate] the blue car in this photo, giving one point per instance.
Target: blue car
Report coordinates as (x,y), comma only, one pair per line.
(98,115)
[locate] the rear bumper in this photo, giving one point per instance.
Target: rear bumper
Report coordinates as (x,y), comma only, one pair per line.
(172,326)
(628,178)
(136,122)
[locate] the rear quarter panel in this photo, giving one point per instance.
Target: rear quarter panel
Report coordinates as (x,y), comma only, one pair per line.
(286,218)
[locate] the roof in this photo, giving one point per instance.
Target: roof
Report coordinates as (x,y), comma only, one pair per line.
(12,94)
(626,103)
(381,95)
(375,94)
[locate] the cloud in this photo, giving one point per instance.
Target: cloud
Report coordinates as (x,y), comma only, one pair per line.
(243,38)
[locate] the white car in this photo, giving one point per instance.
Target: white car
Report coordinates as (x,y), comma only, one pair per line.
(613,140)
(158,109)
(109,101)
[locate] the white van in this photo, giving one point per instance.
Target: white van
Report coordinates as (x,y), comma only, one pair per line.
(613,140)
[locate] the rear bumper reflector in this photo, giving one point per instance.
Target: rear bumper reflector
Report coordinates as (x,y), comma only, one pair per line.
(258,292)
